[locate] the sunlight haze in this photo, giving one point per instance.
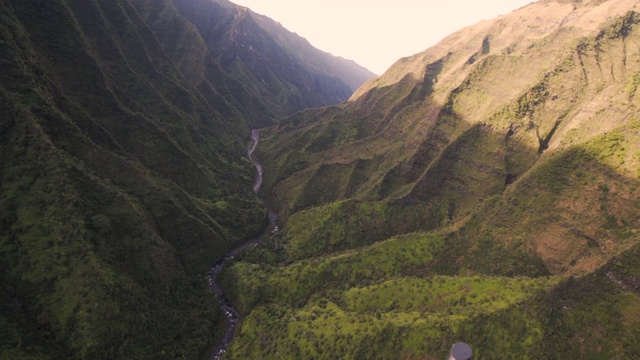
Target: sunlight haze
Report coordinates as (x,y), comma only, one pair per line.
(377,33)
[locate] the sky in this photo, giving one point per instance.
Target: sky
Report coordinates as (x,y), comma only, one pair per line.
(376,33)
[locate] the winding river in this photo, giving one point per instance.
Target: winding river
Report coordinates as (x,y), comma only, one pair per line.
(227,307)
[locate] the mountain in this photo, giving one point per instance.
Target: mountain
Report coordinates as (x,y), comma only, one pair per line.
(280,72)
(123,172)
(484,190)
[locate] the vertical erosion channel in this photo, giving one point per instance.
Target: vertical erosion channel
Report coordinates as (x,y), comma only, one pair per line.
(227,307)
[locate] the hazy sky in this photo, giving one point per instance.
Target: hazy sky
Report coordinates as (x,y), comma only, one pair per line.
(376,33)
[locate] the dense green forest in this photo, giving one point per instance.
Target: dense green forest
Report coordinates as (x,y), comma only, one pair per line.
(123,172)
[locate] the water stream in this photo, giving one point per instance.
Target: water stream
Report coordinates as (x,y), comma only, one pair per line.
(227,307)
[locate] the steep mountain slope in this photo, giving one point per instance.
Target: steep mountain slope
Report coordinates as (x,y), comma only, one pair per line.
(117,192)
(284,71)
(123,177)
(484,190)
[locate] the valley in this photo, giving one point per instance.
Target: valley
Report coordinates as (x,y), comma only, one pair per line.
(485,190)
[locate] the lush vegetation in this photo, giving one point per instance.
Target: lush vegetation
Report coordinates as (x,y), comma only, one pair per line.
(123,174)
(116,194)
(483,191)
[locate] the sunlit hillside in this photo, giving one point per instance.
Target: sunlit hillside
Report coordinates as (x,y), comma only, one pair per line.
(485,190)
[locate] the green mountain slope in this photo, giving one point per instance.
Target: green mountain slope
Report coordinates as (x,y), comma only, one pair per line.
(123,177)
(485,190)
(281,69)
(249,60)
(116,193)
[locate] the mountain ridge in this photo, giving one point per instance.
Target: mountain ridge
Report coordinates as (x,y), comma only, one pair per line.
(568,14)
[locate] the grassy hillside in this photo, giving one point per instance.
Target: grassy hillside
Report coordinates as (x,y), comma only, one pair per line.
(485,190)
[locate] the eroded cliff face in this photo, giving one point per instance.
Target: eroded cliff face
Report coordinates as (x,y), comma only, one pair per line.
(509,149)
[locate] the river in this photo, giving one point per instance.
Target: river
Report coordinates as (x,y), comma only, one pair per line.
(227,307)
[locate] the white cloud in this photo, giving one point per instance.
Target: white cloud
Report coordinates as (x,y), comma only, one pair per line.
(377,33)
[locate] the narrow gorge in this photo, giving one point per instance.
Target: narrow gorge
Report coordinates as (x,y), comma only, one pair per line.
(227,307)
